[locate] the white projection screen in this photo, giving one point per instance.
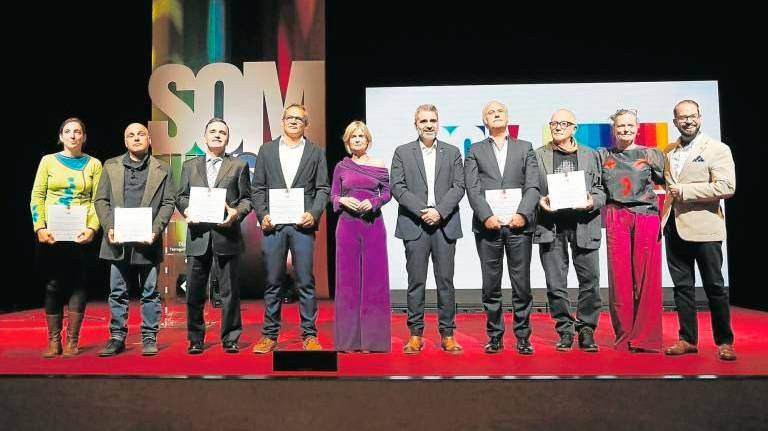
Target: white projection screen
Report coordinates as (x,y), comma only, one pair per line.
(390,114)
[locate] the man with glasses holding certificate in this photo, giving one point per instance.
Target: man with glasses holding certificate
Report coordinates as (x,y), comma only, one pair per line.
(502,182)
(569,216)
(215,197)
(290,192)
(134,201)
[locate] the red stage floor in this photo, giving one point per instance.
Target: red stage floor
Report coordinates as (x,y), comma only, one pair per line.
(22,339)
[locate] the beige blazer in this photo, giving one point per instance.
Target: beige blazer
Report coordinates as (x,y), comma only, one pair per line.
(707,177)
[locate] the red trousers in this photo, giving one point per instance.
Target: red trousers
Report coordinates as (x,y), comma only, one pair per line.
(634,278)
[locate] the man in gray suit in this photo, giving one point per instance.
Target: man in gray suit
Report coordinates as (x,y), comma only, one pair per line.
(578,228)
(500,163)
(293,161)
(428,183)
(134,180)
(215,244)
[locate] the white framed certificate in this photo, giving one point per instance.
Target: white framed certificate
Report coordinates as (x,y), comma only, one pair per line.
(286,206)
(207,205)
(504,203)
(133,224)
(567,190)
(66,222)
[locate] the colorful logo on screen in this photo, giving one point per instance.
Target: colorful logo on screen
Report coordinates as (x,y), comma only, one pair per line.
(596,135)
(464,136)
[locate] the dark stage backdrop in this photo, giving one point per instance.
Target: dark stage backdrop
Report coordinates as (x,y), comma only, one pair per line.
(96,63)
(74,59)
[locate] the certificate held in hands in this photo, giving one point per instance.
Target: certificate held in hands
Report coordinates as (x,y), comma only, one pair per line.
(133,225)
(207,205)
(504,203)
(286,206)
(567,190)
(66,222)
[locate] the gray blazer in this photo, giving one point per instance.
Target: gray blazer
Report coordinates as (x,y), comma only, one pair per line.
(159,194)
(588,229)
(312,176)
(233,176)
(521,171)
(409,187)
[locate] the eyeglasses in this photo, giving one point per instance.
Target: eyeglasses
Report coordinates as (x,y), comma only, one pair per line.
(291,117)
(562,124)
(685,118)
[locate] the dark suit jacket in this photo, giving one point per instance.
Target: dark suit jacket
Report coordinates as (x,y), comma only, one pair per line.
(588,229)
(233,176)
(409,187)
(312,176)
(159,194)
(521,171)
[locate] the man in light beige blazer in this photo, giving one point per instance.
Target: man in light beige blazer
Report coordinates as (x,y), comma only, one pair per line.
(699,174)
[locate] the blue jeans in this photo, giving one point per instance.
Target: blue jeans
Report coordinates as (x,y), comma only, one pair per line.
(123,275)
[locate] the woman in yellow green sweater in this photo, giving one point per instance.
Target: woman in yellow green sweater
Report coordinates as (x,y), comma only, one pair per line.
(67,178)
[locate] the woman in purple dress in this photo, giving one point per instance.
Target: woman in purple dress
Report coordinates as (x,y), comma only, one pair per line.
(360,188)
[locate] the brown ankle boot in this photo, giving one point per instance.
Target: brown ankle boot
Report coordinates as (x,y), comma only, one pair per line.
(54,335)
(73,334)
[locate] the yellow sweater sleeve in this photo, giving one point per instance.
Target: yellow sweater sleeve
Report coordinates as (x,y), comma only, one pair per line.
(92,220)
(39,191)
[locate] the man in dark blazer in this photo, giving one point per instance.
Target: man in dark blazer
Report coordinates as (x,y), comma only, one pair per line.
(427,180)
(578,228)
(501,162)
(134,180)
(292,161)
(215,244)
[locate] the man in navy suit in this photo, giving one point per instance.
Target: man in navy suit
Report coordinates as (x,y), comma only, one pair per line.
(290,161)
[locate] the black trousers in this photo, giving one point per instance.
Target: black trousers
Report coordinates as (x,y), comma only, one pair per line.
(64,266)
(417,252)
(491,246)
(554,260)
(227,271)
(681,255)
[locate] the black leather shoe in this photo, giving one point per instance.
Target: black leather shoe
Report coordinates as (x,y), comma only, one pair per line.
(149,347)
(113,347)
(230,347)
(565,343)
(195,348)
(524,347)
(587,340)
(494,345)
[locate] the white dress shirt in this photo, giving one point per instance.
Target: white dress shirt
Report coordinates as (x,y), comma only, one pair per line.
(290,157)
(501,154)
(430,157)
(681,154)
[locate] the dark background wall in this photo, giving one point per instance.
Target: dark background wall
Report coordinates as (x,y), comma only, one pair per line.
(83,60)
